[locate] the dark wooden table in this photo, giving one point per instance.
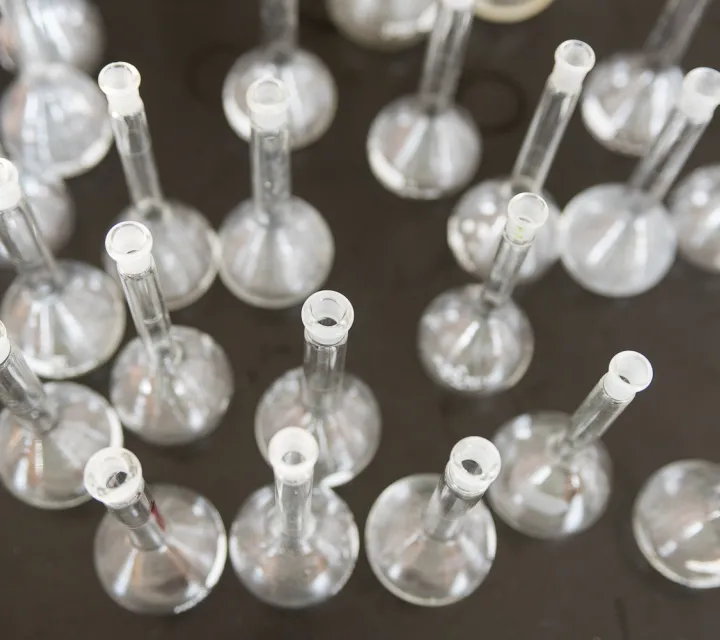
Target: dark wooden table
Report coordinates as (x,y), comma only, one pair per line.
(392,259)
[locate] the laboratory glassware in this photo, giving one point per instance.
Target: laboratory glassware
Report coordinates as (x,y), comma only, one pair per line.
(170,385)
(66,317)
(474,338)
(185,246)
(695,212)
(430,539)
(293,545)
(557,474)
(676,522)
(629,96)
(313,94)
(509,10)
(72,29)
(476,224)
(425,146)
(48,432)
(337,408)
(52,115)
(158,551)
(275,248)
(51,203)
(385,25)
(618,240)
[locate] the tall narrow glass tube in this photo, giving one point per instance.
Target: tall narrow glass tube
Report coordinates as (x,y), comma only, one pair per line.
(474,339)
(425,146)
(48,432)
(276,249)
(292,546)
(186,249)
(67,317)
(557,475)
(156,552)
(337,408)
(429,539)
(171,385)
(618,239)
(476,224)
(630,95)
(312,90)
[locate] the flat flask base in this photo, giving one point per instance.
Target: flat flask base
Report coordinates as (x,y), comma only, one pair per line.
(67,330)
(179,401)
(477,223)
(695,209)
(178,575)
(45,470)
(54,118)
(298,573)
(313,94)
(420,154)
(676,522)
(415,567)
(275,263)
(626,102)
(540,492)
(348,436)
(470,351)
(616,241)
(185,248)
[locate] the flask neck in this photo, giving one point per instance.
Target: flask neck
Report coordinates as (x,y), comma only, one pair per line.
(145,526)
(673,31)
(293,502)
(323,371)
(444,57)
(271,172)
(279,19)
(444,514)
(504,273)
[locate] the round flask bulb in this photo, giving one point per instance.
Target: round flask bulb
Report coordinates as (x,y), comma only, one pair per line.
(10,193)
(628,373)
(120,82)
(474,464)
(293,453)
(328,316)
(269,103)
(113,476)
(573,61)
(4,344)
(700,94)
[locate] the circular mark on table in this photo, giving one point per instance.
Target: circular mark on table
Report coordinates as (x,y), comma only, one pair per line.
(501,100)
(206,70)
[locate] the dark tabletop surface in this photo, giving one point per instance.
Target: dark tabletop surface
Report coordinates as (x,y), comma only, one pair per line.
(392,259)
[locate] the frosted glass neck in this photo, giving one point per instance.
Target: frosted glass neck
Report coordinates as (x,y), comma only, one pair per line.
(279,20)
(673,31)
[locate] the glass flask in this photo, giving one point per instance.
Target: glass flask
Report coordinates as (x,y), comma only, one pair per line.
(156,552)
(276,249)
(425,146)
(617,239)
(293,545)
(676,522)
(52,204)
(629,96)
(48,432)
(52,116)
(385,25)
(313,94)
(557,474)
(337,408)
(72,29)
(476,224)
(509,10)
(695,212)
(474,338)
(170,385)
(186,248)
(67,317)
(430,539)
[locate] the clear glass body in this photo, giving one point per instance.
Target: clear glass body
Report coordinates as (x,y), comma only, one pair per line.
(72,29)
(385,25)
(695,213)
(428,541)
(313,94)
(509,10)
(425,146)
(185,247)
(48,433)
(476,225)
(276,249)
(629,96)
(676,522)
(291,545)
(169,555)
(337,408)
